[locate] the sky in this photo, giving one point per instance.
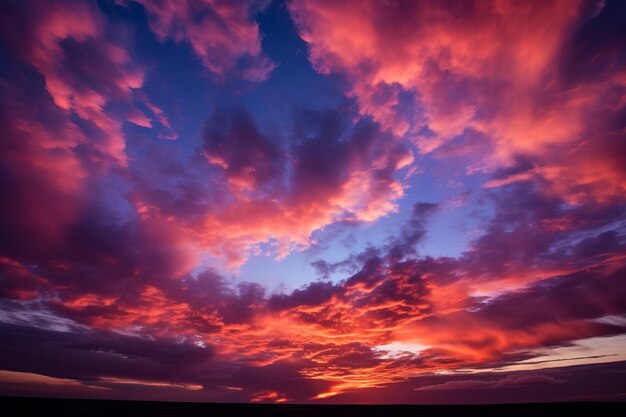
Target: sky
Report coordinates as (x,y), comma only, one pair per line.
(349,201)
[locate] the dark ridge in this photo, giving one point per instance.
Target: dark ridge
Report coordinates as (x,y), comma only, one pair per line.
(113,408)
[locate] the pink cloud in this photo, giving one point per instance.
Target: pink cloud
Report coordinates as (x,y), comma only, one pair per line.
(492,68)
(266,193)
(223,34)
(83,70)
(436,46)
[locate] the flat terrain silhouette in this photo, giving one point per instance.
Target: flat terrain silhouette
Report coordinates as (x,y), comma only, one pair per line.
(82,407)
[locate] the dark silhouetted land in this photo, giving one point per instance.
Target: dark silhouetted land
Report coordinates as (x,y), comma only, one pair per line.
(72,407)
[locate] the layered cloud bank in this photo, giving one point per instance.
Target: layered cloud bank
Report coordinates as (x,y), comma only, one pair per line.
(117,247)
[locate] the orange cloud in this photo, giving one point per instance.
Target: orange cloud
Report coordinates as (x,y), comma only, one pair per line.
(268,396)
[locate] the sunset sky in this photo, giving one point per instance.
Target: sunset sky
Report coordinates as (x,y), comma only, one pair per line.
(326,201)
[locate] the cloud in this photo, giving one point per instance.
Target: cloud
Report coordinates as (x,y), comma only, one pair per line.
(83,70)
(385,289)
(525,91)
(36,384)
(109,365)
(67,89)
(273,197)
(222,34)
(249,159)
(507,381)
(120,277)
(413,232)
(90,355)
(271,396)
(432,49)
